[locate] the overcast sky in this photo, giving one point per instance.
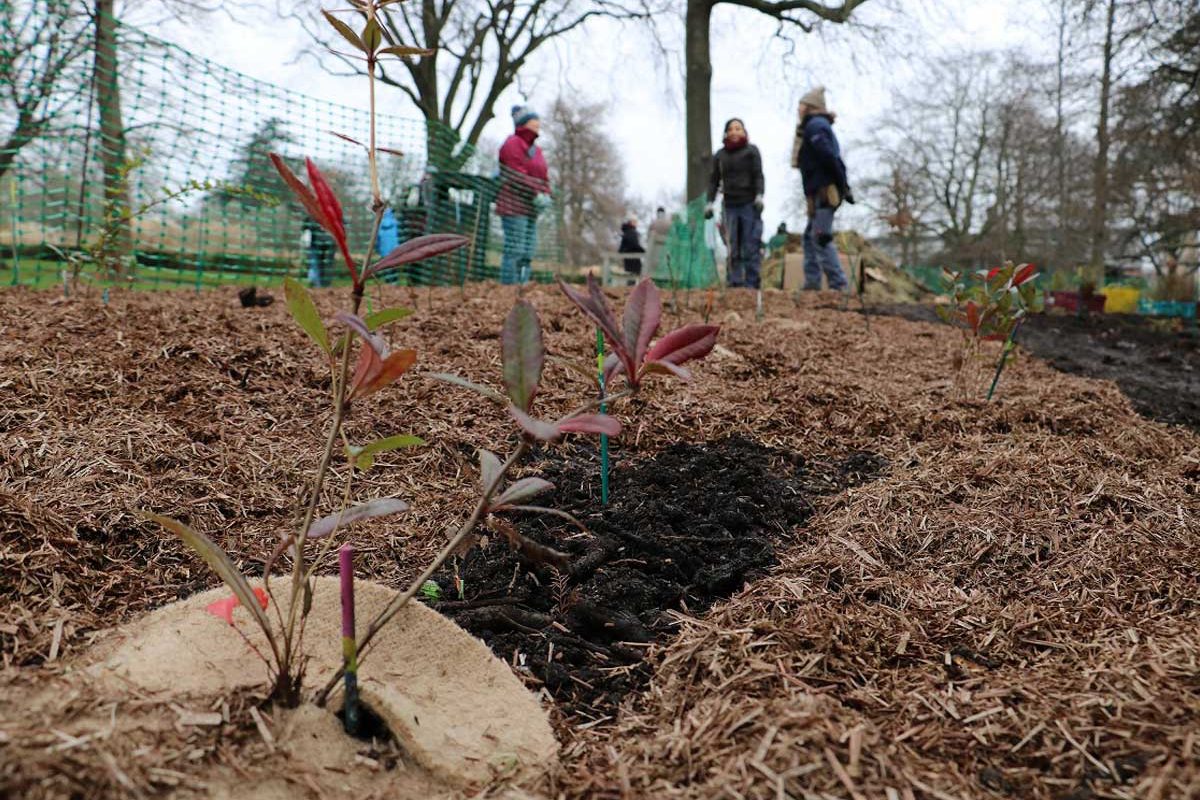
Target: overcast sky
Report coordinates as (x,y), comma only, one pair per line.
(754,77)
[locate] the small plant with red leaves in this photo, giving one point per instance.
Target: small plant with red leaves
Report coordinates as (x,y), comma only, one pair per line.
(637,355)
(989,306)
(378,365)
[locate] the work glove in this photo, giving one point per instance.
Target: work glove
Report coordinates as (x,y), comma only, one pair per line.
(541,202)
(758,204)
(708,211)
(848,195)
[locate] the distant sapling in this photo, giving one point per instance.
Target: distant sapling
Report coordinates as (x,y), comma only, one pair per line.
(990,305)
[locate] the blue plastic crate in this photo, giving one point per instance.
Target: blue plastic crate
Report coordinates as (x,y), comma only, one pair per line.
(1167,308)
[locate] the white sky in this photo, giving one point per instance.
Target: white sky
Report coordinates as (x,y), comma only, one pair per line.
(751,78)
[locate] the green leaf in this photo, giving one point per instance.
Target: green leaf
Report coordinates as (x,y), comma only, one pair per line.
(380,318)
(221,564)
(431,591)
(304,311)
(364,457)
(345,30)
(372,36)
(524,355)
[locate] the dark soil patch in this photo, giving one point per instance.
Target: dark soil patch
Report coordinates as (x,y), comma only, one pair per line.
(1157,369)
(684,529)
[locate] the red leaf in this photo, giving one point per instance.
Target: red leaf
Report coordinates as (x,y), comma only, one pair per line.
(993,272)
(395,365)
(344,137)
(591,423)
(643,313)
(224,608)
(373,373)
(538,429)
(595,306)
(334,222)
(973,316)
(377,365)
(418,249)
(995,337)
(1023,274)
(685,344)
(302,192)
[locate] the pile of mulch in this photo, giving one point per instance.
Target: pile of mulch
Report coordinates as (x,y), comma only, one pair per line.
(1009,609)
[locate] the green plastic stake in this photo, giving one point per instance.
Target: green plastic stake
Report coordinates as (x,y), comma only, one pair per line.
(603,437)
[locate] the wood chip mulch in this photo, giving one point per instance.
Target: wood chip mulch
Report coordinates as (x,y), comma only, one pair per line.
(1010,611)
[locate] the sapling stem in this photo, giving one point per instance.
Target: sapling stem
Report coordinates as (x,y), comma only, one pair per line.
(603,436)
(1008,346)
(349,650)
(451,546)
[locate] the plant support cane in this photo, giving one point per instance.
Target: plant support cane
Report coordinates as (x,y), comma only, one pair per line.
(603,437)
(1009,344)
(349,650)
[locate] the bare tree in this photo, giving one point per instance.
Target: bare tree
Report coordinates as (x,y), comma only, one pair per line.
(480,47)
(41,68)
(802,15)
(588,175)
(966,160)
(1155,174)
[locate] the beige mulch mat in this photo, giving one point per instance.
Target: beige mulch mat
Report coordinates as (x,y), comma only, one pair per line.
(1011,610)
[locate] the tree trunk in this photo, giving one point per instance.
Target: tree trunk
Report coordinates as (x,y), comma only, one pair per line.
(1060,136)
(1100,174)
(26,131)
(112,138)
(697,88)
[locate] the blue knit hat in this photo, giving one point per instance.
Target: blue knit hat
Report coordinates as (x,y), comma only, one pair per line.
(522,114)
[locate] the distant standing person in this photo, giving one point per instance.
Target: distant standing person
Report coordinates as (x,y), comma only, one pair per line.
(660,229)
(630,243)
(387,240)
(737,171)
(817,155)
(524,191)
(318,251)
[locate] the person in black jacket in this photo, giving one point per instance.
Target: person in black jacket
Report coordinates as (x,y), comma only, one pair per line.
(631,244)
(819,158)
(737,171)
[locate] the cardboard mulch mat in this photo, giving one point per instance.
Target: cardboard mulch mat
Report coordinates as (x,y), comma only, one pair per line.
(826,571)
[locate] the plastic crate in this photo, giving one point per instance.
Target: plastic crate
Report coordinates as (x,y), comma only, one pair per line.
(1184,309)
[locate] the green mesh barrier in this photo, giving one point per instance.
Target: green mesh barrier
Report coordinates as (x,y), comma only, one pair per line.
(691,251)
(201,133)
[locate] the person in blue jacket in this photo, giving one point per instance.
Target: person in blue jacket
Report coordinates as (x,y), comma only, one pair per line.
(818,156)
(387,240)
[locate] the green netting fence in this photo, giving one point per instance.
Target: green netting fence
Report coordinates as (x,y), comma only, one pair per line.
(200,133)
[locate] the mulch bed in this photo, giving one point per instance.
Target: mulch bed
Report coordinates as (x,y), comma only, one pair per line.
(1001,602)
